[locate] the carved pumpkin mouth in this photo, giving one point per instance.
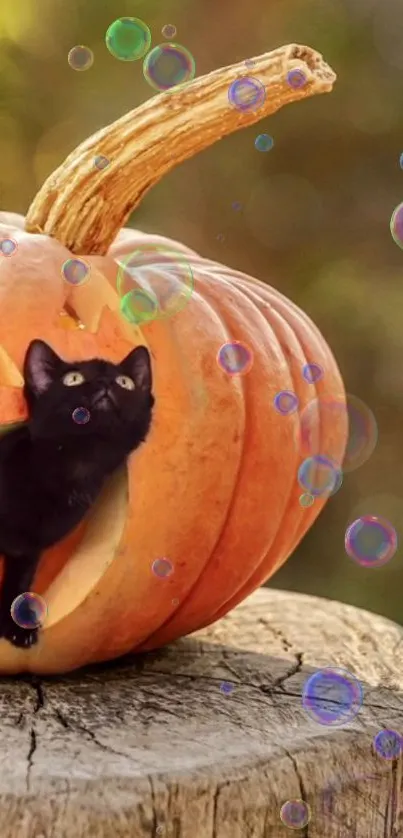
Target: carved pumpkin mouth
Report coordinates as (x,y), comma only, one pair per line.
(103,533)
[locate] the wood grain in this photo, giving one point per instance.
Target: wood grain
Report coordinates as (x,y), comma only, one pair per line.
(154,745)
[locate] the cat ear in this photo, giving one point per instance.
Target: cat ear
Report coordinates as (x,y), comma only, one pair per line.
(41,365)
(137,365)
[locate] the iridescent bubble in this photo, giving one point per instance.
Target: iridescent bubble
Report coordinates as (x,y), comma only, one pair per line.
(226,687)
(162,568)
(101,162)
(371,541)
(264,142)
(80,58)
(235,358)
(332,696)
(138,306)
(318,475)
(81,416)
(306,499)
(286,402)
(128,38)
(246,94)
(168,65)
(161,278)
(169,30)
(396,225)
(362,430)
(388,744)
(8,247)
(76,271)
(29,610)
(312,373)
(401,161)
(296,78)
(295,813)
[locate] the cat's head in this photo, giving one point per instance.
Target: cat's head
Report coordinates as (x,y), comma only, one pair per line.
(83,398)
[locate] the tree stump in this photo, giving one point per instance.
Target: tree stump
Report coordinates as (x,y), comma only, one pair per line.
(208,738)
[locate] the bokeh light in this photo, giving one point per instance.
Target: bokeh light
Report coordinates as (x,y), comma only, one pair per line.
(362,429)
(388,744)
(160,280)
(80,58)
(286,402)
(235,358)
(29,610)
(319,475)
(295,813)
(76,271)
(246,94)
(332,696)
(168,65)
(371,541)
(128,38)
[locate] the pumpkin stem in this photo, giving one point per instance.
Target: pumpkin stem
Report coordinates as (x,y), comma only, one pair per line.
(84,207)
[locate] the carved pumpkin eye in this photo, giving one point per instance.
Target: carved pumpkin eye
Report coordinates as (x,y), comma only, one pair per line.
(71,379)
(125,382)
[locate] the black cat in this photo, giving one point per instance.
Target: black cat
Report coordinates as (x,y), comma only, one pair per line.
(84,419)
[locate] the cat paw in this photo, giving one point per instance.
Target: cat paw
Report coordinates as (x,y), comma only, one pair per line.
(20,637)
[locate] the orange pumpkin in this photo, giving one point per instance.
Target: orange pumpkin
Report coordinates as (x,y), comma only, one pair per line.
(214,488)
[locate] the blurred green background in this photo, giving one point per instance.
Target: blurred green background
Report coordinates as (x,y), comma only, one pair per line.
(315,210)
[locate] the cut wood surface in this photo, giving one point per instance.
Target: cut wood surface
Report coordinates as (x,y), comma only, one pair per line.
(208,738)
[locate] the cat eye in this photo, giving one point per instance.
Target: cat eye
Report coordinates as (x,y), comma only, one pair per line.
(71,379)
(125,382)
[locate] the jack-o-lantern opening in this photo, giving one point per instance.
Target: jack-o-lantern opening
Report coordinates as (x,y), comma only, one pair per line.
(208,507)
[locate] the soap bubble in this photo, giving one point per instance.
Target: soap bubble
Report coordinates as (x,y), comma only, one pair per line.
(235,358)
(8,246)
(169,30)
(75,271)
(264,142)
(29,610)
(226,687)
(295,813)
(388,744)
(306,500)
(362,429)
(128,38)
(101,162)
(296,78)
(168,65)
(246,94)
(286,402)
(138,306)
(312,373)
(401,161)
(162,281)
(81,416)
(80,58)
(396,225)
(371,541)
(332,696)
(319,475)
(162,568)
